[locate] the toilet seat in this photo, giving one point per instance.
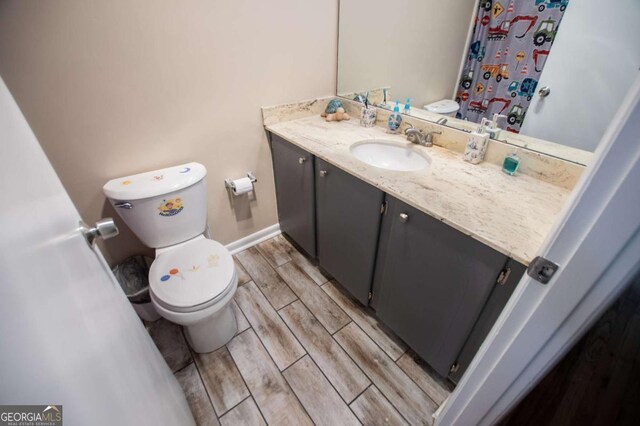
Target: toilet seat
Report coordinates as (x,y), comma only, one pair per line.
(192,276)
(444,106)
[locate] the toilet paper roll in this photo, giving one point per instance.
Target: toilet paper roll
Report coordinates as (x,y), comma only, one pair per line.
(242,186)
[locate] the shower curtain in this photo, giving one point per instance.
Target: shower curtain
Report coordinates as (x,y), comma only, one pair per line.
(510,44)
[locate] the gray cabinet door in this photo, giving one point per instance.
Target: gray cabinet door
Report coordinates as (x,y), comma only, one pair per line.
(294,179)
(497,300)
(348,222)
(434,284)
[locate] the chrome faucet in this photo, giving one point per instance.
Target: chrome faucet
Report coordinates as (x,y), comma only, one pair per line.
(417,136)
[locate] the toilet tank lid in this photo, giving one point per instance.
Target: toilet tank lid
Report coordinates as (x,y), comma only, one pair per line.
(154,183)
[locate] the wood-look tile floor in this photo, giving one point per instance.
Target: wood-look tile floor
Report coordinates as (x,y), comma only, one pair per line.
(305,353)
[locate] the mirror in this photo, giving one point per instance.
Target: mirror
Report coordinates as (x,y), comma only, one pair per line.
(554,88)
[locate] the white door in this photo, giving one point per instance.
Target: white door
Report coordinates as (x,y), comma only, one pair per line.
(591,67)
(67,332)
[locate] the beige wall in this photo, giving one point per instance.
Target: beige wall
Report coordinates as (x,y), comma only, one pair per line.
(413,46)
(112,88)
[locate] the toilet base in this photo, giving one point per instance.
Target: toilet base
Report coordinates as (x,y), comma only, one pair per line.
(212,333)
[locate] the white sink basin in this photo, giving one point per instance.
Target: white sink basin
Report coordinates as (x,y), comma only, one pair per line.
(390,155)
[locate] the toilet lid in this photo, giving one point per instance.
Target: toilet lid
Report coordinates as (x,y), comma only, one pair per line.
(191,274)
(445,106)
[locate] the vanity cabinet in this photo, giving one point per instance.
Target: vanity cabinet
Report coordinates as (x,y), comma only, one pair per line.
(348,222)
(432,282)
(437,288)
(293,170)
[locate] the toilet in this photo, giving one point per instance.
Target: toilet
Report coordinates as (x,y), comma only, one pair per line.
(444,107)
(193,279)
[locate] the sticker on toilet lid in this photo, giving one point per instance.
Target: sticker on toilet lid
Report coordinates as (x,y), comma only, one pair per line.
(191,274)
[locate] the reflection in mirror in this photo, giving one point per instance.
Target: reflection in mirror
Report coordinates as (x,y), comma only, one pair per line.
(392,45)
(552,88)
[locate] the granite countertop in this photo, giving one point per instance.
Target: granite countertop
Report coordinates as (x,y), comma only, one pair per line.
(511,214)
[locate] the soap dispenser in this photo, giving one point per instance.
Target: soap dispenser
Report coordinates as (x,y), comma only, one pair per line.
(511,164)
(395,119)
(407,106)
(477,144)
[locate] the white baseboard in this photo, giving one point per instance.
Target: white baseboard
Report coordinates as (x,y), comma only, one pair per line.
(253,239)
(435,415)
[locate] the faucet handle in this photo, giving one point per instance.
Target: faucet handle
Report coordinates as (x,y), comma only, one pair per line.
(428,138)
(409,127)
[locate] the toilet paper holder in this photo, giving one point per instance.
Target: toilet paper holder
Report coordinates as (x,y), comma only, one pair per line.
(229,182)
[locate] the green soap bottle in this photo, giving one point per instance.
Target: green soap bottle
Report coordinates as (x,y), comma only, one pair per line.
(511,164)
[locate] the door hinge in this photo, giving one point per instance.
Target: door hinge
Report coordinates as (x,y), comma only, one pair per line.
(504,276)
(454,368)
(383,207)
(541,269)
(370,295)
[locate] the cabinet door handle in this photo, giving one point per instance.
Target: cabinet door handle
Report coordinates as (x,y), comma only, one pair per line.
(323,173)
(404,217)
(301,160)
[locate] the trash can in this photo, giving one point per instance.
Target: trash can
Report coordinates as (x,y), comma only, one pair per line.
(133,276)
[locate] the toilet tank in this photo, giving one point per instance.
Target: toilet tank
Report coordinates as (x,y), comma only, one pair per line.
(162,207)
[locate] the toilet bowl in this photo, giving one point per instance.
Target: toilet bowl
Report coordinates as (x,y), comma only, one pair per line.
(193,279)
(192,285)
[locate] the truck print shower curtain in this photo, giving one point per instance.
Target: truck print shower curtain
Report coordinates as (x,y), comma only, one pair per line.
(510,44)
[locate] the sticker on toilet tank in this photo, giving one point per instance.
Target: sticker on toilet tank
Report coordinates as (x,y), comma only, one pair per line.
(171,207)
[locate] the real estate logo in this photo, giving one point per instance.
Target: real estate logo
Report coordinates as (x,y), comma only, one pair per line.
(30,415)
